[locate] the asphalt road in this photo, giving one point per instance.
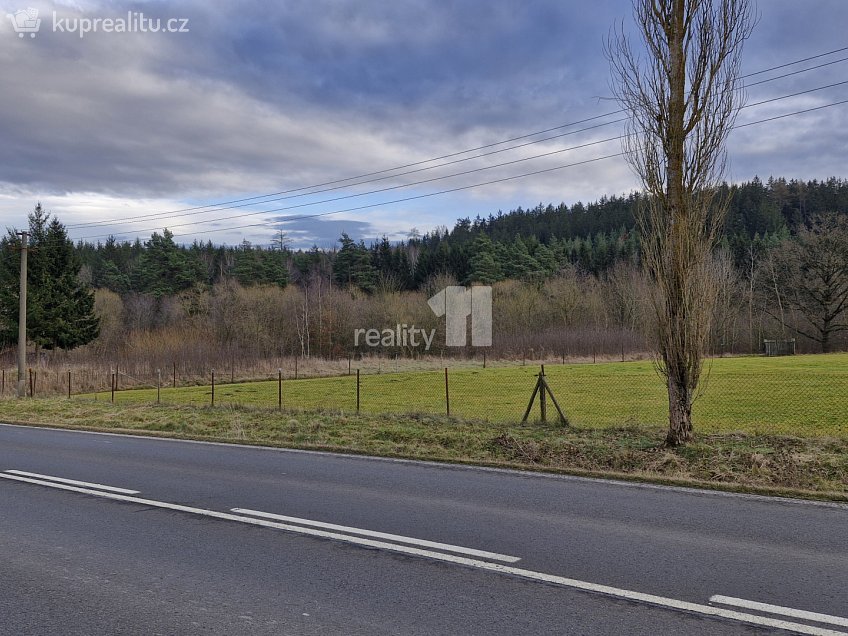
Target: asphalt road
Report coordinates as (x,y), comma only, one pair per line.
(468,551)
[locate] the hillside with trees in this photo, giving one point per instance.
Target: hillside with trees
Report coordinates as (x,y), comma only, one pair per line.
(567,281)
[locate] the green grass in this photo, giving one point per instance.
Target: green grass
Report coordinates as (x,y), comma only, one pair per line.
(794,395)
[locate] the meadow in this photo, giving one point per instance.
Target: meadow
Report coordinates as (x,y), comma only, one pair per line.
(804,395)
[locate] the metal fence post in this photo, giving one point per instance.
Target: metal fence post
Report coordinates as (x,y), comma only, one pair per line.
(158,385)
(357,390)
(213,387)
(69,384)
(280,389)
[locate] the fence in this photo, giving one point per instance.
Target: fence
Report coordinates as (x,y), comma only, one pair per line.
(797,395)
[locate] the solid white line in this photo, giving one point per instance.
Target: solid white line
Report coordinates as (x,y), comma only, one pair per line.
(483,554)
(650,599)
(778,609)
(74,482)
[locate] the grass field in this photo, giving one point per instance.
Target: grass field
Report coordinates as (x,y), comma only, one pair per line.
(795,395)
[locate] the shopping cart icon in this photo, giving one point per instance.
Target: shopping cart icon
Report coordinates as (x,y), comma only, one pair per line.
(25,21)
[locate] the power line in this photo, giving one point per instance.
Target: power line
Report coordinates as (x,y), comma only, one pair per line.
(392,176)
(287,219)
(477,185)
(453,175)
(411,198)
(803,70)
(806,59)
(255,200)
(379,172)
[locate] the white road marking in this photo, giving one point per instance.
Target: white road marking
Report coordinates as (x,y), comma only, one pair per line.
(483,554)
(74,482)
(651,599)
(778,609)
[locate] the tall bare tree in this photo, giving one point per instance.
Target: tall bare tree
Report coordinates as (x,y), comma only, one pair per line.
(682,96)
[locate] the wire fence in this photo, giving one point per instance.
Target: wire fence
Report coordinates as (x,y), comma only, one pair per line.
(789,395)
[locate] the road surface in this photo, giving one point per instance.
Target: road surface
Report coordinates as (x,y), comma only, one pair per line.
(109,534)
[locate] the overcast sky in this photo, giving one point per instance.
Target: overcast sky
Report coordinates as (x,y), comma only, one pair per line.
(261,98)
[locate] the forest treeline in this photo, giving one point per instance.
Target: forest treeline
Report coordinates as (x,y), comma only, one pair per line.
(567,281)
(529,244)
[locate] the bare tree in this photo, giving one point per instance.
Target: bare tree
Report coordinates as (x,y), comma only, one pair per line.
(812,272)
(682,98)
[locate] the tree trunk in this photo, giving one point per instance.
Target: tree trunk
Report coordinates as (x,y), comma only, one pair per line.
(679,413)
(680,407)
(825,337)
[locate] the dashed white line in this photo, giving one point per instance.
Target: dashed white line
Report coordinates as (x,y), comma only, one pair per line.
(779,609)
(483,554)
(74,482)
(651,599)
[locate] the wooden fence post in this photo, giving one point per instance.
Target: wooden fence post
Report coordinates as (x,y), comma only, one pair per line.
(447,393)
(543,405)
(357,390)
(158,385)
(213,387)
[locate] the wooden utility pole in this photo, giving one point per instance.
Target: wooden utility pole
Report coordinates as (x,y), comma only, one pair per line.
(22,313)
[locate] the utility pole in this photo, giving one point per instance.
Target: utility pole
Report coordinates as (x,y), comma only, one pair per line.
(22,313)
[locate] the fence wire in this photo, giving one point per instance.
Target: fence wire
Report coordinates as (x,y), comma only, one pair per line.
(800,395)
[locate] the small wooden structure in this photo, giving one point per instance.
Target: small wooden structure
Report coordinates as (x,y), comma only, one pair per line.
(543,389)
(779,347)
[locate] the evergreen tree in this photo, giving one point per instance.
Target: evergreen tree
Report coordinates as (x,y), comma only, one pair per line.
(60,308)
(353,266)
(484,268)
(164,268)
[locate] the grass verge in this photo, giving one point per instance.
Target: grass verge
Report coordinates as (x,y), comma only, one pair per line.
(766,464)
